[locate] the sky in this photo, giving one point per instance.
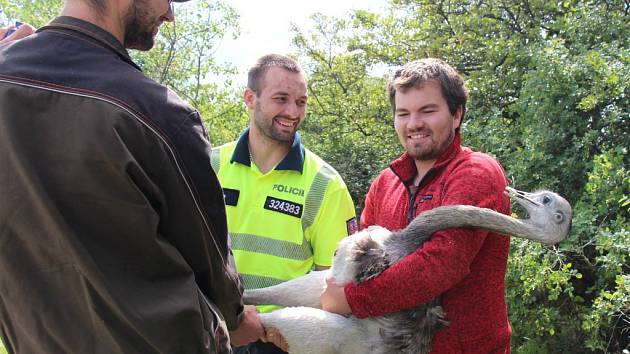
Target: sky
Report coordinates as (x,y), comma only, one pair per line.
(265,26)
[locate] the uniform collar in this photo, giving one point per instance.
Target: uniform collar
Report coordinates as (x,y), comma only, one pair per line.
(405,168)
(293,161)
(92,32)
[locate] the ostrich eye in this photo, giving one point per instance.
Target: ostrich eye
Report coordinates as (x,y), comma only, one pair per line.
(546,200)
(335,253)
(559,217)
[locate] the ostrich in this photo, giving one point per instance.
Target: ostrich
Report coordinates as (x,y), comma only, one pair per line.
(309,330)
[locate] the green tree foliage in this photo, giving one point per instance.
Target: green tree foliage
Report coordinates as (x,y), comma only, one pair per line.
(549,86)
(36,12)
(349,118)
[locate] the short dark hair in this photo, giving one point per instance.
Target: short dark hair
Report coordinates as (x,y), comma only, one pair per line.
(414,74)
(257,72)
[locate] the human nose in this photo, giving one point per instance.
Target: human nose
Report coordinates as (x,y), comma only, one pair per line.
(415,121)
(292,109)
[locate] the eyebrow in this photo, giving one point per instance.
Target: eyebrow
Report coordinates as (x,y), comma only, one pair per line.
(430,105)
(284,94)
(427,106)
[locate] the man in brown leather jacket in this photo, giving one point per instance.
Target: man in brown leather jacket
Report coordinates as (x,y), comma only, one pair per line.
(112,224)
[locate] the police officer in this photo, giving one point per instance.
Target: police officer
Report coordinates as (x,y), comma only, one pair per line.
(286,207)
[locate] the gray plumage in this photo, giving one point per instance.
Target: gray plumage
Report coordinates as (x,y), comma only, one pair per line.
(366,254)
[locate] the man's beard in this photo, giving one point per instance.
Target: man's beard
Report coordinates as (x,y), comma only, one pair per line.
(138,27)
(432,152)
(267,128)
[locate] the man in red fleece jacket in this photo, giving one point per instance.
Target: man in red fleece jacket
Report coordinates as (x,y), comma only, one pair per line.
(465,268)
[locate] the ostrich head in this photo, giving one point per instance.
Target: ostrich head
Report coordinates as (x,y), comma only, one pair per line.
(547,211)
(358,255)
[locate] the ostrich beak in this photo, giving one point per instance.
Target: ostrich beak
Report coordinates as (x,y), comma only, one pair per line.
(520,196)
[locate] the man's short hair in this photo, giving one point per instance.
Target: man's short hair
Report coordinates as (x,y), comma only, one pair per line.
(257,72)
(414,74)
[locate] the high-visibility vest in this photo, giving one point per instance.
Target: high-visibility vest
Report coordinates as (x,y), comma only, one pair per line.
(284,222)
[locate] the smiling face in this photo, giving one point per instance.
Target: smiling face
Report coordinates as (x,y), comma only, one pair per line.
(424,124)
(279,107)
(143,20)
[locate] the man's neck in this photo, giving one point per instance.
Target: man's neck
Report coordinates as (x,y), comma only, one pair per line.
(422,167)
(110,21)
(265,152)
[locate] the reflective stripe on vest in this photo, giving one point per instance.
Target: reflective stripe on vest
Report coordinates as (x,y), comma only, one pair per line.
(258,281)
(278,248)
(316,195)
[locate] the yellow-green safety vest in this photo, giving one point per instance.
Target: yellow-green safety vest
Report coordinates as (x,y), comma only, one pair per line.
(284,222)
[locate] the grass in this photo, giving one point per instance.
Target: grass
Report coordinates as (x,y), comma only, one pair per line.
(2,350)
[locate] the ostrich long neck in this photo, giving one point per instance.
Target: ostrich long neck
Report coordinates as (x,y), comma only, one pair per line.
(424,225)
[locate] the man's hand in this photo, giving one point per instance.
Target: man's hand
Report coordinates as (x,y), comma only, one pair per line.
(250,329)
(20,32)
(275,337)
(333,298)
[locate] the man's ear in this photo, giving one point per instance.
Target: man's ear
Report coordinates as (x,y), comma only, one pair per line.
(249,97)
(458,117)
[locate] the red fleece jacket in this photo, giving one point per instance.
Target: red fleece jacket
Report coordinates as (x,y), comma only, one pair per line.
(464,267)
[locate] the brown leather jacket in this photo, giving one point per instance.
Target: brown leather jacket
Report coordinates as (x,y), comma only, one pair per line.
(113,236)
